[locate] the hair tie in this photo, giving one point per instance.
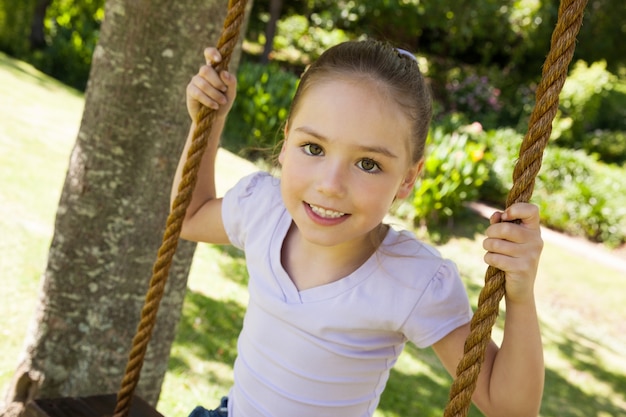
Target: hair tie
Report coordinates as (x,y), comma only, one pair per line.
(406,53)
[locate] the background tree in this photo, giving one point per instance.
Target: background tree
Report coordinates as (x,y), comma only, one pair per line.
(37,31)
(114,203)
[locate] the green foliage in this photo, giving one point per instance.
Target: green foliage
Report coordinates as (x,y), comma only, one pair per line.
(264,94)
(608,145)
(503,145)
(582,197)
(71,30)
(474,96)
(455,169)
(593,112)
(575,192)
(15,22)
(602,34)
(297,37)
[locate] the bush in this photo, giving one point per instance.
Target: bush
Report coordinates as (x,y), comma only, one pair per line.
(503,145)
(454,170)
(264,94)
(297,36)
(609,146)
(582,197)
(474,96)
(71,31)
(593,109)
(576,193)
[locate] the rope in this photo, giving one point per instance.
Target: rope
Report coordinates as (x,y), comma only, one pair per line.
(206,116)
(553,77)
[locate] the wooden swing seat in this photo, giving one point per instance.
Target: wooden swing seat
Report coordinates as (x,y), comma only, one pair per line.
(93,406)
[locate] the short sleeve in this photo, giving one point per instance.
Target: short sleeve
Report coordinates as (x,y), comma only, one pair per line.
(247,202)
(443,307)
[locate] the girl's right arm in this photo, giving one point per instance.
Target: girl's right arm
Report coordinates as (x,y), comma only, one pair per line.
(203,220)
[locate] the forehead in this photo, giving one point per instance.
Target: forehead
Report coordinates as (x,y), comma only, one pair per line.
(356,108)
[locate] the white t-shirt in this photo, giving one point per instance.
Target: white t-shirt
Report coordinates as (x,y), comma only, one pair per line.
(328,350)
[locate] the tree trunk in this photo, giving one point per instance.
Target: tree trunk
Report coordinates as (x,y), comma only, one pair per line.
(270,29)
(114,203)
(37,39)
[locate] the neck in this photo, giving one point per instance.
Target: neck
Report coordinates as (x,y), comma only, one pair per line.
(310,265)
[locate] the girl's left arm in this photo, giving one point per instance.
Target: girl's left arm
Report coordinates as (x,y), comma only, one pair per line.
(512,376)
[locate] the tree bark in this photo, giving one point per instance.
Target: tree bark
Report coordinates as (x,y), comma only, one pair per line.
(114,203)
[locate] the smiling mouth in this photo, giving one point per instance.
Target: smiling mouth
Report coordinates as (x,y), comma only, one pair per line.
(326,214)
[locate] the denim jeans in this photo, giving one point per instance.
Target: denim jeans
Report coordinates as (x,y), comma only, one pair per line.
(221,411)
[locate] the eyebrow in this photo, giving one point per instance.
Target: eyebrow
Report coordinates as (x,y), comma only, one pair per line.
(373,149)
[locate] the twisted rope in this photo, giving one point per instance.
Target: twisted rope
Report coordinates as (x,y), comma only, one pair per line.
(553,77)
(206,116)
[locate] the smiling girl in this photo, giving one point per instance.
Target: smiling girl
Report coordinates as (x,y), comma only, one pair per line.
(334,292)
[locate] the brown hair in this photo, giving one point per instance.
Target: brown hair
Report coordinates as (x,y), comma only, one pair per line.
(397,73)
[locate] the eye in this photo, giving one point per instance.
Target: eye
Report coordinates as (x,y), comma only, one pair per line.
(312,149)
(368,165)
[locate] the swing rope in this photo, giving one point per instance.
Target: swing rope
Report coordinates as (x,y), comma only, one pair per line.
(226,45)
(540,126)
(553,77)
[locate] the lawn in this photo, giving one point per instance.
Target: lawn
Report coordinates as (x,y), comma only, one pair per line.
(580,299)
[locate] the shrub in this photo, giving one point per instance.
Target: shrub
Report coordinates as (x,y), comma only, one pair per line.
(592,112)
(72,31)
(264,94)
(454,170)
(503,145)
(475,97)
(609,146)
(581,196)
(306,37)
(576,193)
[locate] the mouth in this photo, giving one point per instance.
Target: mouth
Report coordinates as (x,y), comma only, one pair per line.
(326,213)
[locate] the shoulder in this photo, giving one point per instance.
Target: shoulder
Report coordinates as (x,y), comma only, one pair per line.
(260,181)
(411,261)
(254,202)
(437,297)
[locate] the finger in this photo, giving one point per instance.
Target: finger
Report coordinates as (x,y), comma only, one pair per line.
(213,79)
(202,92)
(498,245)
(212,56)
(495,217)
(526,213)
(231,84)
(513,266)
(513,232)
(498,260)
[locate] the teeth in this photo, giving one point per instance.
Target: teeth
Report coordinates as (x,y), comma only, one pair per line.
(328,214)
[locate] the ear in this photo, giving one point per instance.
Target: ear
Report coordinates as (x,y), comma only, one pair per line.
(409,179)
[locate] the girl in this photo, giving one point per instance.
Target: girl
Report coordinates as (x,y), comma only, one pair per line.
(334,292)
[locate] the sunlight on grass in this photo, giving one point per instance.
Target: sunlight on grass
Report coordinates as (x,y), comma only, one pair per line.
(200,368)
(39,120)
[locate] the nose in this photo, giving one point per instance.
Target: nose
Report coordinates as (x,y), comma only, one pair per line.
(332,179)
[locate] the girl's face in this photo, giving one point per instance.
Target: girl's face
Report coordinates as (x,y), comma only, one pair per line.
(345,158)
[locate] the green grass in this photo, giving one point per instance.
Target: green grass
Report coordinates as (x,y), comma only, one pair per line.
(580,300)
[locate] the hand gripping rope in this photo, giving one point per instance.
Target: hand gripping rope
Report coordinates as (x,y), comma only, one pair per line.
(531,152)
(206,116)
(526,169)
